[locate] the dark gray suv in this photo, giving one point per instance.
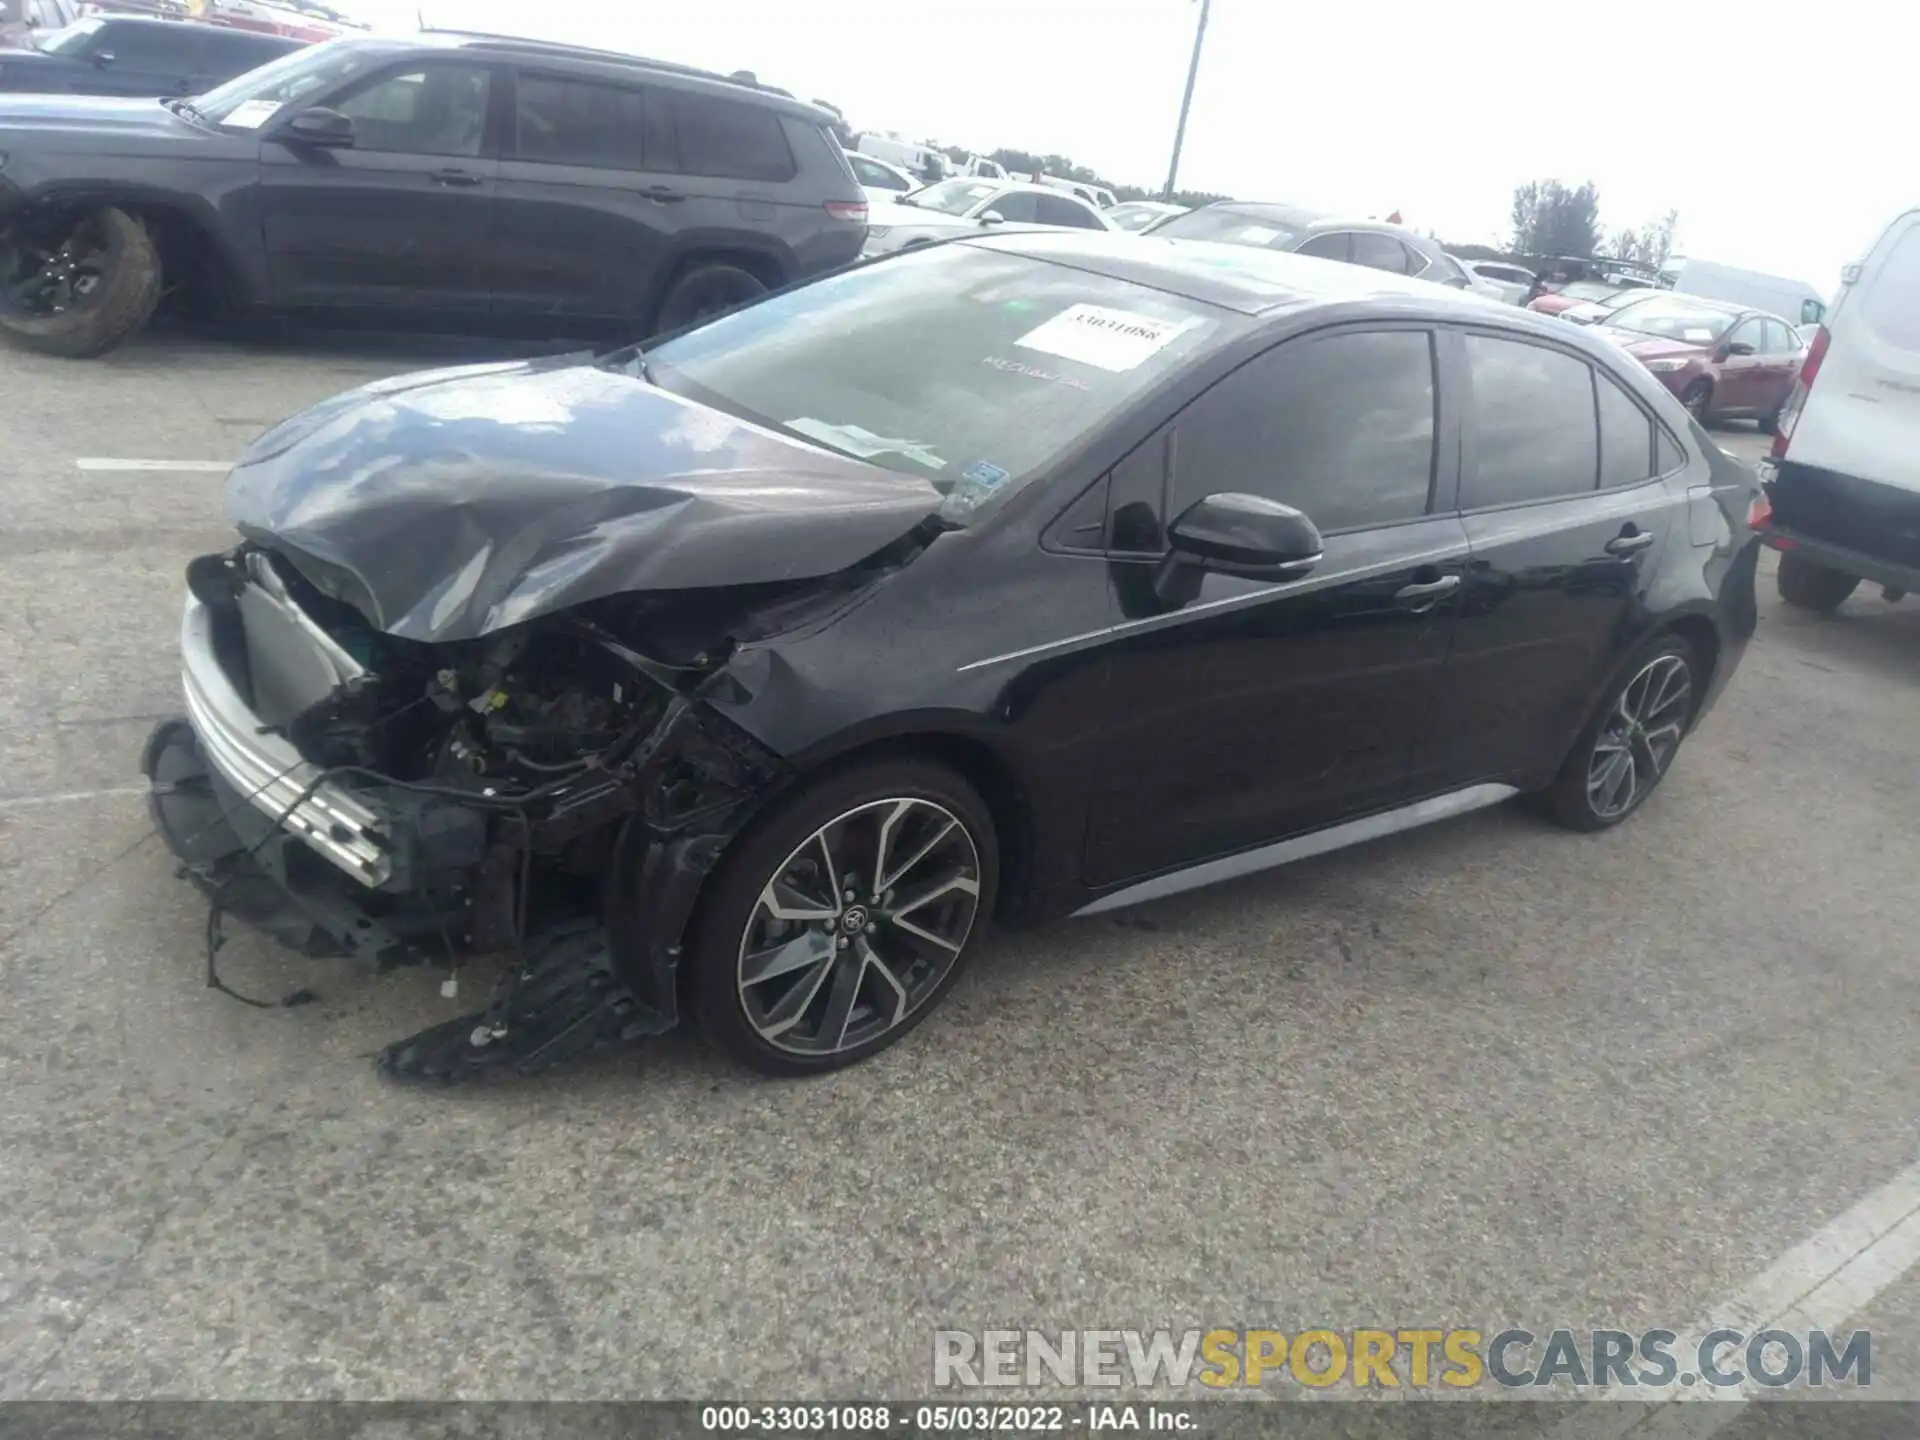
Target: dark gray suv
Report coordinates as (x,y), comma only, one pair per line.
(503,182)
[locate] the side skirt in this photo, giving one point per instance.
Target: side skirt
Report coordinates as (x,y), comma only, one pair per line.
(1319,842)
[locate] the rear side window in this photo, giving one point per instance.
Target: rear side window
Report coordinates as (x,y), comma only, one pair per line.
(1055,211)
(1339,426)
(1329,247)
(575,122)
(1667,456)
(1626,436)
(1379,252)
(1017,207)
(1533,424)
(730,140)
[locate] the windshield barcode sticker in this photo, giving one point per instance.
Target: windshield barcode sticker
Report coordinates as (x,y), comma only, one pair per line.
(251,114)
(1108,339)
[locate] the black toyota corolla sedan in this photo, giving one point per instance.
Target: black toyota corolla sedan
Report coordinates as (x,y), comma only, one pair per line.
(1018,577)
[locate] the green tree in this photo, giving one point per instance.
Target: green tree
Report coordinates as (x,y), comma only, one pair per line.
(1550,218)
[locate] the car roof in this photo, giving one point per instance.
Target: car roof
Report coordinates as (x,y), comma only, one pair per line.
(1242,278)
(518,47)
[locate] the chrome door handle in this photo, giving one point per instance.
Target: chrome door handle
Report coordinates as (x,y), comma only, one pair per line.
(1630,544)
(1426,592)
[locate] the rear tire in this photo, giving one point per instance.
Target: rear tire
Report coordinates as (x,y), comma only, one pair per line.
(1632,740)
(829,838)
(125,289)
(1809,585)
(705,292)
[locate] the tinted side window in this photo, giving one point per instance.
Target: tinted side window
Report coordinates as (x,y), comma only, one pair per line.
(1339,426)
(1331,246)
(1379,252)
(1626,436)
(573,122)
(170,47)
(1016,207)
(1065,212)
(733,141)
(238,51)
(441,110)
(1533,424)
(1751,333)
(1667,456)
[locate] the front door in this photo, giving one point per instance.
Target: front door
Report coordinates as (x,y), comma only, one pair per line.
(401,219)
(1743,378)
(1566,516)
(1257,710)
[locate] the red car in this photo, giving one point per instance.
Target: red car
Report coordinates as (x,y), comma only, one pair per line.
(1578,292)
(1723,361)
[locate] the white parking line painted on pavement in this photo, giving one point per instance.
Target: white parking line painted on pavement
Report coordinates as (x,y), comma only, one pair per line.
(1819,1284)
(167,467)
(28,802)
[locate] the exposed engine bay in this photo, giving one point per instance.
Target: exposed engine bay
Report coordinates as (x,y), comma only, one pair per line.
(546,791)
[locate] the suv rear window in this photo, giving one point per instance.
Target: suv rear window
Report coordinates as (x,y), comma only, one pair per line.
(583,122)
(730,140)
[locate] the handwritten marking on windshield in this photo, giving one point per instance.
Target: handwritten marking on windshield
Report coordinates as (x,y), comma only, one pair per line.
(1034,372)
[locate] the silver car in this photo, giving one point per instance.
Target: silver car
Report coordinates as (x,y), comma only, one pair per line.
(964,206)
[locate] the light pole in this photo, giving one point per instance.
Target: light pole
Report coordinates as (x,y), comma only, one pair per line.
(1186,100)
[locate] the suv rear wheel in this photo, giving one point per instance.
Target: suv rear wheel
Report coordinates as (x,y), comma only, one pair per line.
(706,291)
(80,286)
(1811,585)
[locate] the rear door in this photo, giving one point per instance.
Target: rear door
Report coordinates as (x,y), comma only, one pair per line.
(1567,514)
(1782,353)
(1862,416)
(1742,385)
(402,218)
(591,200)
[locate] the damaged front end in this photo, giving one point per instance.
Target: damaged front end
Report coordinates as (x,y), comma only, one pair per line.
(546,791)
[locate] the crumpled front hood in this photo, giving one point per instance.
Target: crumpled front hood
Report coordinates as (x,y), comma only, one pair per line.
(447,505)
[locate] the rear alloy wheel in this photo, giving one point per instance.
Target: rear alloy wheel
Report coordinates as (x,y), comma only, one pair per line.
(1628,747)
(80,286)
(704,293)
(1697,397)
(1809,585)
(840,922)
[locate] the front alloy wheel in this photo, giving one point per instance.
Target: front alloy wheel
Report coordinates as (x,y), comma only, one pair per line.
(858,927)
(1639,737)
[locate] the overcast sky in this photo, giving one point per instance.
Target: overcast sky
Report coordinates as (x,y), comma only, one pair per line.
(1779,153)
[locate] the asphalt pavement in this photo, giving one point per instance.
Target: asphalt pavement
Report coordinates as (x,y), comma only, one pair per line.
(1486,1073)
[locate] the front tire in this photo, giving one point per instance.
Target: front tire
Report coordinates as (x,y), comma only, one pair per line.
(80,293)
(1698,398)
(1630,744)
(840,920)
(1810,585)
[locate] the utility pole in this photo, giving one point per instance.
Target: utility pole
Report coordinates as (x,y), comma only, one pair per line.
(1186,100)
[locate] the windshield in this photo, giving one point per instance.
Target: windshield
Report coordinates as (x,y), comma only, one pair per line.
(251,100)
(1236,227)
(71,40)
(965,367)
(954,197)
(1672,318)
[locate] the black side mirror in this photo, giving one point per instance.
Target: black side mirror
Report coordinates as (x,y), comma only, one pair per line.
(1233,534)
(1735,347)
(328,129)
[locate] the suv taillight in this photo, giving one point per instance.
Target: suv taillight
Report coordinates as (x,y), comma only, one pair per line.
(853,210)
(1797,400)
